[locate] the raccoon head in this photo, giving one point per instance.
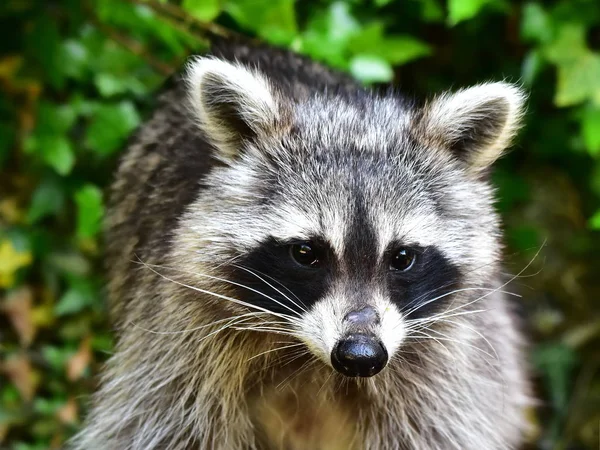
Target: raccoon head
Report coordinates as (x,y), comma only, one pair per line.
(350,217)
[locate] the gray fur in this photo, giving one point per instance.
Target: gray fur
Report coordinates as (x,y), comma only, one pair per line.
(310,156)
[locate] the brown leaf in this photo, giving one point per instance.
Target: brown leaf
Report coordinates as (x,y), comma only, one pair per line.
(10,210)
(18,308)
(19,371)
(80,360)
(69,412)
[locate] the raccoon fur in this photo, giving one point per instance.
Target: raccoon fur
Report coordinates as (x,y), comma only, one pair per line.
(296,262)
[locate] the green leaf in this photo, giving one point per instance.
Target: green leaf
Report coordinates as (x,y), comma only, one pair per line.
(578,81)
(590,125)
(556,361)
(432,11)
(536,24)
(79,296)
(111,124)
(460,10)
(371,69)
(402,49)
(90,210)
(531,67)
(205,10)
(56,357)
(109,84)
(57,152)
(274,20)
(341,24)
(54,119)
(328,35)
(569,45)
(44,47)
(48,198)
(595,221)
(74,59)
(394,49)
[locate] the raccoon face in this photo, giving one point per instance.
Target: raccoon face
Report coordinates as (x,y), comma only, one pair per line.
(350,218)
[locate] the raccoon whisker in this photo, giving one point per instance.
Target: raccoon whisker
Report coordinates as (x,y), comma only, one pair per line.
(495,356)
(427,336)
(519,275)
(302,307)
(190,330)
(325,383)
(212,277)
(229,261)
(290,357)
(269,330)
(298,372)
(434,319)
(276,281)
(499,289)
(456,291)
(275,349)
(448,338)
(232,325)
(287,317)
(474,331)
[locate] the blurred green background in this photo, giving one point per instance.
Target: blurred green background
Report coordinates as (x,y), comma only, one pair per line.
(77,77)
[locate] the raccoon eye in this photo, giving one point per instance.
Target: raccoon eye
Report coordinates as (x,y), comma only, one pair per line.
(403,260)
(304,254)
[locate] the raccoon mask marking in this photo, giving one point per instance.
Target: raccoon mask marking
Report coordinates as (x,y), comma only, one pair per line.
(297,262)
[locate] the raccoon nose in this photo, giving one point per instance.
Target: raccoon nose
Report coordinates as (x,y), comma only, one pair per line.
(359,355)
(365,316)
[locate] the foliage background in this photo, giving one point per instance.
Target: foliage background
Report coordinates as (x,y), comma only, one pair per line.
(77,77)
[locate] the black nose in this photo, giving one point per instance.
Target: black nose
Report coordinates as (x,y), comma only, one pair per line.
(359,355)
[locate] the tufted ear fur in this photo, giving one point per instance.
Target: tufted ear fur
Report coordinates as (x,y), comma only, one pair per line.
(475,124)
(232,103)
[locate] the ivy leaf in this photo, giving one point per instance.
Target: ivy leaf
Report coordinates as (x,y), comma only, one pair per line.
(531,67)
(48,198)
(432,11)
(595,221)
(536,25)
(394,49)
(371,69)
(57,152)
(578,81)
(460,10)
(402,49)
(90,210)
(590,125)
(275,20)
(74,59)
(204,10)
(54,119)
(110,126)
(556,362)
(80,295)
(569,46)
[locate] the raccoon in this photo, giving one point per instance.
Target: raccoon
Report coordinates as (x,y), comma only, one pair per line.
(298,262)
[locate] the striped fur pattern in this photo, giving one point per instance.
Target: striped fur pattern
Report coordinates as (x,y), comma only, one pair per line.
(224,344)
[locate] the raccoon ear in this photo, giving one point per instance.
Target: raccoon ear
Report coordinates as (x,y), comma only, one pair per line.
(476,124)
(232,103)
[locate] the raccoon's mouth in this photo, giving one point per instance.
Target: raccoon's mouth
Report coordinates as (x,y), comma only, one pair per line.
(359,355)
